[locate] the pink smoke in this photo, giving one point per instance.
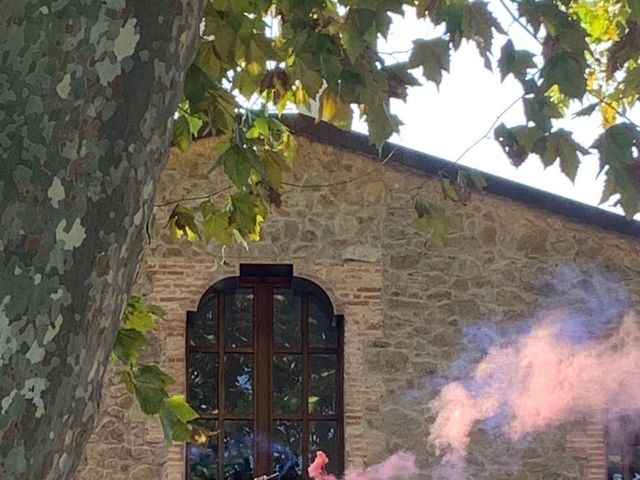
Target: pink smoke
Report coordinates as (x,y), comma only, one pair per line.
(538,381)
(399,465)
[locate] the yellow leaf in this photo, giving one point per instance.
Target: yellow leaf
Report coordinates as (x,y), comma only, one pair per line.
(200,438)
(591,79)
(333,110)
(300,97)
(609,115)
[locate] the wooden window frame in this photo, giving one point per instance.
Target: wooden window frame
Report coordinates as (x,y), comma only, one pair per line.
(263,280)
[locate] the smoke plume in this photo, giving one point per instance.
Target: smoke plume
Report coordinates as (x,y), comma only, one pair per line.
(547,375)
(401,465)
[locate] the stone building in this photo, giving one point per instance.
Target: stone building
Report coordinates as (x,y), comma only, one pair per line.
(383,314)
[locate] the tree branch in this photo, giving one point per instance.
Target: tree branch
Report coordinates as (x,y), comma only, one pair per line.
(490,129)
(190,199)
(519,22)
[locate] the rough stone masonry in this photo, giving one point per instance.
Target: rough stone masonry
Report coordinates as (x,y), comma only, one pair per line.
(405,304)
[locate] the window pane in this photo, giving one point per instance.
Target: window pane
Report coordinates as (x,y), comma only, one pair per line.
(238,318)
(202,458)
(323,435)
(287,318)
(322,384)
(238,383)
(203,381)
(238,450)
(322,331)
(287,449)
(203,327)
(287,383)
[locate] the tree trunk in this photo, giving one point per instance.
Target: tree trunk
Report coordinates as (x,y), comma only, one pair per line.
(87,93)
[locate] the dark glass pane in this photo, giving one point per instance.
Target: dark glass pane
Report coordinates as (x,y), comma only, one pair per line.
(323,332)
(238,450)
(203,326)
(287,318)
(323,435)
(238,318)
(287,383)
(203,381)
(287,449)
(322,384)
(202,458)
(238,383)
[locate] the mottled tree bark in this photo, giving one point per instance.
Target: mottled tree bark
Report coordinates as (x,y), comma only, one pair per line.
(87,93)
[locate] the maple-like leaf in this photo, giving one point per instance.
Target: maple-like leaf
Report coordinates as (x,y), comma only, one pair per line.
(433,56)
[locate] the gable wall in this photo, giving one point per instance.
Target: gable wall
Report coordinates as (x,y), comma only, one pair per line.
(405,305)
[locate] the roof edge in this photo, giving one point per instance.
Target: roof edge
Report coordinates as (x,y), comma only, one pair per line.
(434,166)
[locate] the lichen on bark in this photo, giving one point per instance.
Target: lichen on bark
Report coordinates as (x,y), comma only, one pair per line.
(88,92)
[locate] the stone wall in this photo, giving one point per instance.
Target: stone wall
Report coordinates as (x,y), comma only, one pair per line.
(405,304)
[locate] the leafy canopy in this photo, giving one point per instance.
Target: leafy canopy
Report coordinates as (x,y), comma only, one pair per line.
(257,57)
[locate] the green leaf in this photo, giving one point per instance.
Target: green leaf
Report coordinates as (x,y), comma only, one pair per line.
(382,124)
(140,320)
(449,189)
(183,411)
(172,426)
(616,144)
(139,316)
(207,59)
(310,79)
(586,111)
(182,223)
(432,219)
(519,141)
(478,24)
(514,62)
(259,128)
(156,310)
(540,110)
(433,56)
(237,165)
(610,188)
(196,85)
(560,145)
(127,379)
(149,384)
(565,71)
(174,417)
(477,179)
(249,211)
(274,163)
(182,133)
(215,226)
(129,343)
(618,147)
(152,376)
(354,33)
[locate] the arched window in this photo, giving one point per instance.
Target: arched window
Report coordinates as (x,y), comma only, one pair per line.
(264,371)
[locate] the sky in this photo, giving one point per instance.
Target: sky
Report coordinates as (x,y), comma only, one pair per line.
(445,122)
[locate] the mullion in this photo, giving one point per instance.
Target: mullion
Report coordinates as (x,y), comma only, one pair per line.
(305,383)
(228,416)
(298,417)
(226,349)
(311,350)
(263,319)
(221,383)
(339,386)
